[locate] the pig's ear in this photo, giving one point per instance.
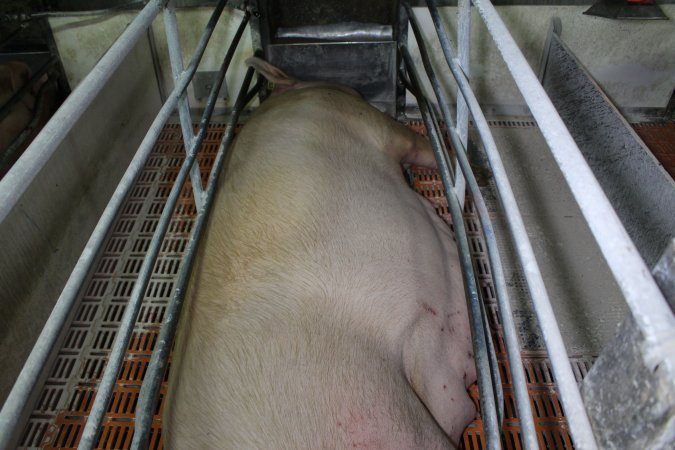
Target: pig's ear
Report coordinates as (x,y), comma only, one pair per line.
(270,72)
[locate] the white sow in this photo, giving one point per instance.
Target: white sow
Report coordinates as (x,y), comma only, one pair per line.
(326,307)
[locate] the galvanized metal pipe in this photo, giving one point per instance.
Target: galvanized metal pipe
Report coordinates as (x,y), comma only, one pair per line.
(569,392)
(16,407)
(17,143)
(17,180)
(489,412)
(645,300)
(464,49)
(115,358)
(93,12)
(152,381)
(464,166)
(176,60)
(528,431)
(492,354)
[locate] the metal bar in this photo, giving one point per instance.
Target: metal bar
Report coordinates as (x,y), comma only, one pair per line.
(498,397)
(154,375)
(566,383)
(569,392)
(632,275)
(254,91)
(528,431)
(18,142)
(17,180)
(464,51)
(402,38)
(11,36)
(489,412)
(642,295)
(495,377)
(176,59)
(94,12)
(464,166)
(156,64)
(105,388)
(494,365)
(15,409)
(18,95)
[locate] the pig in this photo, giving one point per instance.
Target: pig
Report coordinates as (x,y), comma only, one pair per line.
(326,308)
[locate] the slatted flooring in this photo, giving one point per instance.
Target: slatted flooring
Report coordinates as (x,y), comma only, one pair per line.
(59,415)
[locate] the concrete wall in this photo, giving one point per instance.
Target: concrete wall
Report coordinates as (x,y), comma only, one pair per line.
(82,41)
(191,23)
(632,60)
(43,236)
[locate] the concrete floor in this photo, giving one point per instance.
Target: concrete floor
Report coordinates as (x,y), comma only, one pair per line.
(585,298)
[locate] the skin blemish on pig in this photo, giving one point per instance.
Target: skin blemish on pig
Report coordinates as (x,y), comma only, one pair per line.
(445,386)
(442,329)
(429,309)
(469,354)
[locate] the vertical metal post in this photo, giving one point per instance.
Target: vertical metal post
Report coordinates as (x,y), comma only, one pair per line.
(464,52)
(176,59)
(156,64)
(402,39)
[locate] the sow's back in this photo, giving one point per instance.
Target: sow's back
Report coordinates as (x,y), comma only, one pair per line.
(326,307)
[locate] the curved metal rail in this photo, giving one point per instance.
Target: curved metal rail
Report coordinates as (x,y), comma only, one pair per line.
(105,387)
(478,335)
(152,380)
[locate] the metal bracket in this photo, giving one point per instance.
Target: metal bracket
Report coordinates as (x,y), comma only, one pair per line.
(203,82)
(640,190)
(630,405)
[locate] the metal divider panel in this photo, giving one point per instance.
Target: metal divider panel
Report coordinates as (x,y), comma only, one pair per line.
(60,413)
